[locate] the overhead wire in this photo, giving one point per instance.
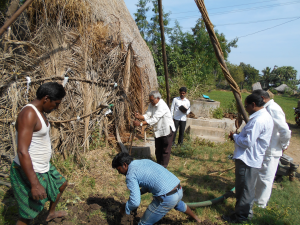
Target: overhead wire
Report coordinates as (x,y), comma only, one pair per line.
(240,10)
(249,22)
(229,6)
(268,28)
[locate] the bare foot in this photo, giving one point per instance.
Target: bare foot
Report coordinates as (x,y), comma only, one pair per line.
(57,214)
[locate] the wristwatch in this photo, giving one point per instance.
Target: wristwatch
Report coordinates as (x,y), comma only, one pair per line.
(141,124)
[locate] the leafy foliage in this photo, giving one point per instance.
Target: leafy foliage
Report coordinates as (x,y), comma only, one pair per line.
(250,73)
(190,56)
(140,16)
(280,75)
(218,113)
(237,73)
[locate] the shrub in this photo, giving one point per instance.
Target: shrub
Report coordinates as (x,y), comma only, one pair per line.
(273,91)
(230,107)
(218,113)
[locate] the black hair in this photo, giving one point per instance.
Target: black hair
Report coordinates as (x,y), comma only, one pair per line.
(257,99)
(183,89)
(120,159)
(54,90)
(262,93)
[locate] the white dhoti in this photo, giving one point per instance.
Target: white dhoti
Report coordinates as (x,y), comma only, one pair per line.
(265,180)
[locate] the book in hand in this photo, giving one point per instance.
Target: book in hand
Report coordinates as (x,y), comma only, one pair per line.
(183,109)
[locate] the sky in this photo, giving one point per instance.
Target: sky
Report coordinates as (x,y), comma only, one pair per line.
(268,30)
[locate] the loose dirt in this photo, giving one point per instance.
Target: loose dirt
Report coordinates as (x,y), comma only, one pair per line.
(294,147)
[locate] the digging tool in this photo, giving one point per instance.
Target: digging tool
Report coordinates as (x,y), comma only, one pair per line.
(132,137)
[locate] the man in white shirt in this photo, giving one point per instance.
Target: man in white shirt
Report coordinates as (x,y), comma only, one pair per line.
(279,142)
(159,116)
(179,109)
(250,147)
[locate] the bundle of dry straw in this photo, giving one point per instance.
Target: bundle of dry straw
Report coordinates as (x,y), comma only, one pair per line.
(57,38)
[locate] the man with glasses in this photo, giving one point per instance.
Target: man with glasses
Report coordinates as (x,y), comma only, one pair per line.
(279,142)
(159,116)
(250,147)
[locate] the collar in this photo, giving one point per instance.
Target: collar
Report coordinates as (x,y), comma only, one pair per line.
(181,99)
(257,113)
(158,102)
(268,103)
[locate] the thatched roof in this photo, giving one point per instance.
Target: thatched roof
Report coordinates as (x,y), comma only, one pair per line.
(282,87)
(115,15)
(98,46)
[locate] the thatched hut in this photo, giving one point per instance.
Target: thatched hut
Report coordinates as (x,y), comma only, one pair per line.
(97,46)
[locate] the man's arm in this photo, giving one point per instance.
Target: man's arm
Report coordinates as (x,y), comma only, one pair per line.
(26,123)
(135,195)
(247,138)
(283,128)
(159,113)
(173,107)
(189,108)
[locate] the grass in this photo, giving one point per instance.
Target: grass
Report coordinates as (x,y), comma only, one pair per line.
(193,163)
(286,102)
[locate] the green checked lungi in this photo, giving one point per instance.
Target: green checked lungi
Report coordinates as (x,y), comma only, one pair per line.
(28,207)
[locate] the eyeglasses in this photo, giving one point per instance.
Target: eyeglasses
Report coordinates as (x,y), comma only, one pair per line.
(152,101)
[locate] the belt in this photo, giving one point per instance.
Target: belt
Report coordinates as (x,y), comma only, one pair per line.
(169,193)
(174,190)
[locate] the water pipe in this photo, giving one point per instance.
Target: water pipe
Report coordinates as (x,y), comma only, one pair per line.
(213,201)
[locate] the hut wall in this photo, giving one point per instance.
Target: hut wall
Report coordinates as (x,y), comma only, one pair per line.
(97,45)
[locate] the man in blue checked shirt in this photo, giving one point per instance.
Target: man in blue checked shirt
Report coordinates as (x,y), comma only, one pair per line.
(154,178)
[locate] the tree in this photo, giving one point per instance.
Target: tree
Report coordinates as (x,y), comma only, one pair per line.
(154,28)
(250,73)
(154,37)
(286,75)
(280,75)
(237,73)
(267,77)
(198,45)
(140,17)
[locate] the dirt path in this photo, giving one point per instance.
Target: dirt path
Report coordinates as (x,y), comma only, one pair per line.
(294,147)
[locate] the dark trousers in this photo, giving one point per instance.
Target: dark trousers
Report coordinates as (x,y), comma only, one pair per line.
(163,149)
(181,125)
(245,181)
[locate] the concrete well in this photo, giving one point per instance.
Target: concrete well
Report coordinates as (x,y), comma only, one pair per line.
(143,149)
(203,108)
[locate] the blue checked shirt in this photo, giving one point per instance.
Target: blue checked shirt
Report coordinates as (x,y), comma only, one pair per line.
(149,176)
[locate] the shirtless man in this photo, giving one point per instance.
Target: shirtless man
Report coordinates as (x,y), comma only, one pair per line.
(34,180)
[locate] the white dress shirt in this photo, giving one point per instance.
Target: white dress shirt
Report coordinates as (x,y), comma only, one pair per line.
(176,113)
(252,143)
(281,133)
(159,116)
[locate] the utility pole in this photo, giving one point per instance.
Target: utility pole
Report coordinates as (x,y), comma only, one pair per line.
(161,24)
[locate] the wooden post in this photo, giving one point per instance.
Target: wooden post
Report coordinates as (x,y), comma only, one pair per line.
(161,24)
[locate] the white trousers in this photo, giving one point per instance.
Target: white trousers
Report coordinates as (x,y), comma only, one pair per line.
(265,179)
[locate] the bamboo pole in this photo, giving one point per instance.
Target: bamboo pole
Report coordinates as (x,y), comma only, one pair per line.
(14,16)
(161,24)
(126,80)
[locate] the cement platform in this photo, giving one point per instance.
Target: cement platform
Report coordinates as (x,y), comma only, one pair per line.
(215,130)
(203,107)
(141,149)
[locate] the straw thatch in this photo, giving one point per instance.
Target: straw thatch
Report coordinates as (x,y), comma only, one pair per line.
(282,88)
(98,46)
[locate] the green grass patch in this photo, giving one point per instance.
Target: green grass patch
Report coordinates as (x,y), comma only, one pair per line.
(286,102)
